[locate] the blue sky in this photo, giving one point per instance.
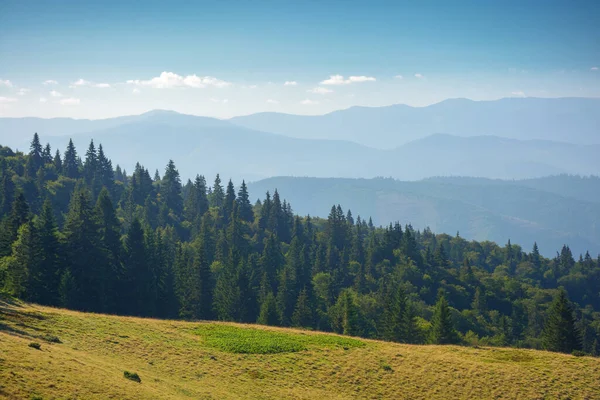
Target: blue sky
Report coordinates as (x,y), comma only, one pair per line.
(225,58)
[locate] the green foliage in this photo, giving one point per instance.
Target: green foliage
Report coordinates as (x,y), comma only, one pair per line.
(560,333)
(233,339)
(442,326)
(85,236)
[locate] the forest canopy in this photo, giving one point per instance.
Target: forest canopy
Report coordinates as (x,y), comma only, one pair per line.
(80,233)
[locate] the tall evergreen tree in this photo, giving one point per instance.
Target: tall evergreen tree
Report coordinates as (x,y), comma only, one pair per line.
(243,200)
(171,189)
(86,262)
(19,215)
(47,276)
(70,163)
(138,276)
(560,332)
(442,326)
(217,196)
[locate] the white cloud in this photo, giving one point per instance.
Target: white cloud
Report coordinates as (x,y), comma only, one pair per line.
(54,93)
(168,80)
(518,94)
(80,82)
(271,101)
(136,91)
(6,83)
(50,82)
(361,79)
(6,100)
(339,80)
(224,101)
(594,68)
(71,101)
(43,99)
(309,102)
(290,83)
(399,77)
(320,90)
(23,91)
(419,76)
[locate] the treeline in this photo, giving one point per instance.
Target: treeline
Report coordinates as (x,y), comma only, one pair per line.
(81,234)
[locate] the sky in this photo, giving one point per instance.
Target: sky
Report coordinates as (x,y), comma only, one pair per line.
(99,59)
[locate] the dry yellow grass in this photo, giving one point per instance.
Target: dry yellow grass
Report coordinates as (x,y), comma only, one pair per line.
(174,362)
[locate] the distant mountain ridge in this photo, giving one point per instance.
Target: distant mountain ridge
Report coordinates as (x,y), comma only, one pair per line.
(574,120)
(208,145)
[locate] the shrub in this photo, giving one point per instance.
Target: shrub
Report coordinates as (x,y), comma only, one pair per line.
(35,345)
(52,339)
(387,367)
(579,353)
(132,376)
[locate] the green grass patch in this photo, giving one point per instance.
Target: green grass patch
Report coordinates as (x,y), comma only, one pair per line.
(233,339)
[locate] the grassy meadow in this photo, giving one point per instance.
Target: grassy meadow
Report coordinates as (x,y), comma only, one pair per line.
(48,353)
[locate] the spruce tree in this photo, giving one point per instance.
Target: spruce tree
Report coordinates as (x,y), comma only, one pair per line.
(243,200)
(442,327)
(560,333)
(19,215)
(171,189)
(109,231)
(23,261)
(85,258)
(47,277)
(70,163)
(137,272)
(217,196)
(268,311)
(57,162)
(302,316)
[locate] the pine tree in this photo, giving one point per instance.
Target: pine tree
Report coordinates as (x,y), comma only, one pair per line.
(110,237)
(171,189)
(70,163)
(19,215)
(35,160)
(23,261)
(57,162)
(47,277)
(228,202)
(302,316)
(442,327)
(47,154)
(137,272)
(560,333)
(226,298)
(349,312)
(7,193)
(268,311)
(85,257)
(217,196)
(243,200)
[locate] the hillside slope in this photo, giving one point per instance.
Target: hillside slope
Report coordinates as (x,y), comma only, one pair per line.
(195,360)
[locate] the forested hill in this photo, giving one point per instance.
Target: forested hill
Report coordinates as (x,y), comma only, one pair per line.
(78,233)
(553,210)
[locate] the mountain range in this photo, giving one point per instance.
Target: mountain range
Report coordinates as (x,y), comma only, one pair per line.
(574,120)
(209,146)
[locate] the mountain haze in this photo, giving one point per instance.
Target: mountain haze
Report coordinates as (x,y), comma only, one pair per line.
(573,120)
